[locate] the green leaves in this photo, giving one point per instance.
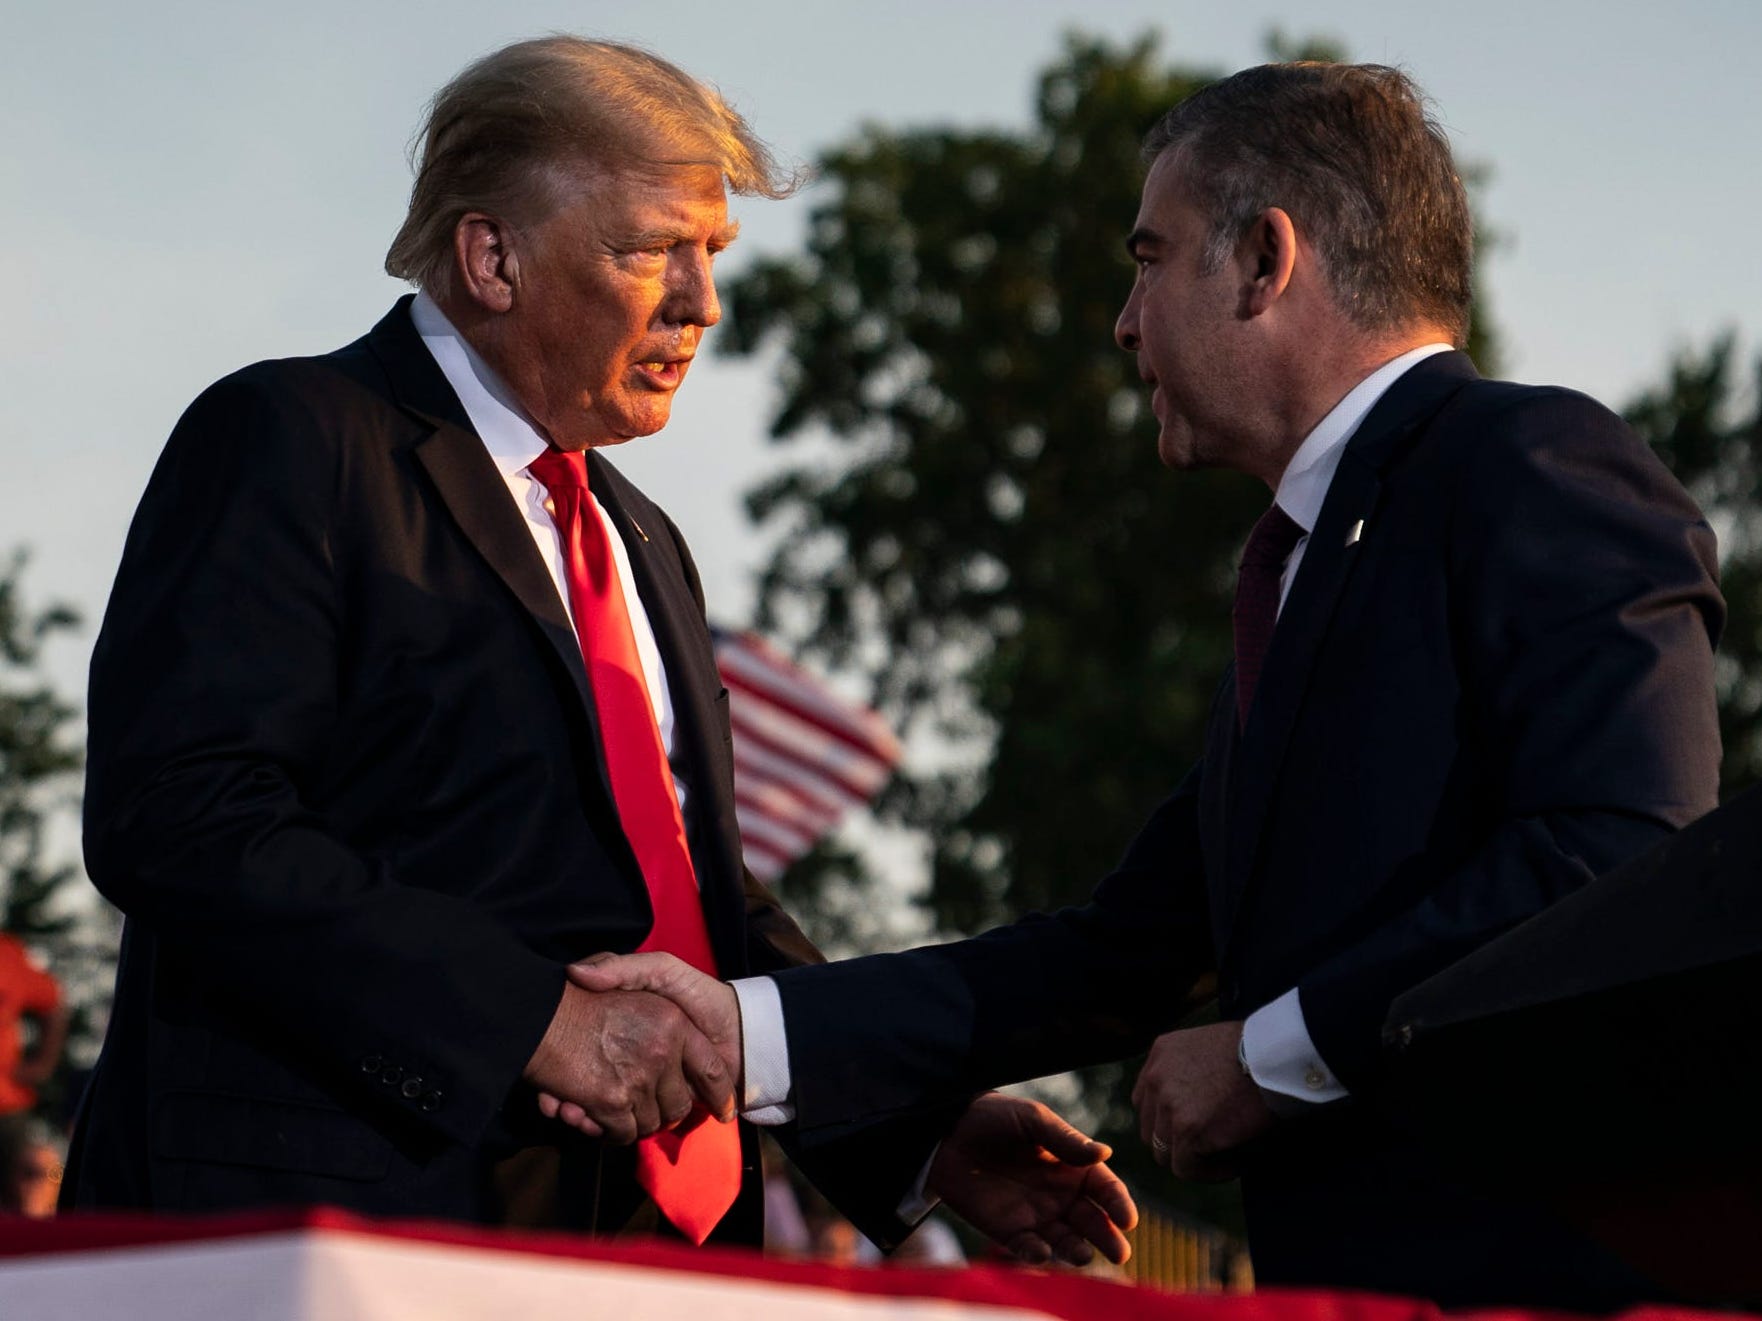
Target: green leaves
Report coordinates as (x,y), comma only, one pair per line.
(996,546)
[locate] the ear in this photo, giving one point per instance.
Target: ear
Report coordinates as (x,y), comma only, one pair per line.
(1267,258)
(484,261)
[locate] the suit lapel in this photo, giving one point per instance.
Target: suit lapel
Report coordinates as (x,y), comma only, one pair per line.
(477,498)
(1346,524)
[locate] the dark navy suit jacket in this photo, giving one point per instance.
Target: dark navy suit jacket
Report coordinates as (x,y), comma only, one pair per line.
(1500,687)
(345,782)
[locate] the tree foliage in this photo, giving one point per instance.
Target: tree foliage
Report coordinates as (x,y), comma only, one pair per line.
(40,760)
(995,545)
(1710,436)
(37,763)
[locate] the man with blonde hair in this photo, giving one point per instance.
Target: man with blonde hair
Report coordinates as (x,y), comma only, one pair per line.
(404,701)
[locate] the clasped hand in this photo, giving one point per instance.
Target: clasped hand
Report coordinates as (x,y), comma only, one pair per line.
(1011,1168)
(620,1061)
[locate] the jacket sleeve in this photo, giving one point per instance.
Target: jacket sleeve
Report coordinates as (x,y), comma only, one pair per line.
(904,1034)
(216,688)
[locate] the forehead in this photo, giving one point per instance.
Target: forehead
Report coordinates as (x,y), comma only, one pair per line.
(677,201)
(1167,217)
(1166,200)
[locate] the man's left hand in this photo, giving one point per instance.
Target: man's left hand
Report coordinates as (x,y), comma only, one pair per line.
(1196,1106)
(1018,1173)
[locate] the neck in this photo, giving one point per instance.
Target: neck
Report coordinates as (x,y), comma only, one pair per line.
(1317,380)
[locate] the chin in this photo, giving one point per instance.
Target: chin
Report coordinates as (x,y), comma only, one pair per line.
(1176,450)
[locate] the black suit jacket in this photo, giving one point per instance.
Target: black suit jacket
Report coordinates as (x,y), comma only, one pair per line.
(346,783)
(1492,679)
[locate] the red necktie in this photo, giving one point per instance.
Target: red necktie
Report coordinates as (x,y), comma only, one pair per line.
(1274,537)
(692,1172)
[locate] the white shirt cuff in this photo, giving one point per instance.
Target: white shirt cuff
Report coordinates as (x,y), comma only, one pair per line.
(919,1201)
(1282,1059)
(764,1097)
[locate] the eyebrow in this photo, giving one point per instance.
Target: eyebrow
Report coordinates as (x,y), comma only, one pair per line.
(650,238)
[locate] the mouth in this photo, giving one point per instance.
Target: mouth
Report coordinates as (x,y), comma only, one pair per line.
(664,373)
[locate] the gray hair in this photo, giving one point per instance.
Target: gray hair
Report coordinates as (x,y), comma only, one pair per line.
(1365,172)
(516,134)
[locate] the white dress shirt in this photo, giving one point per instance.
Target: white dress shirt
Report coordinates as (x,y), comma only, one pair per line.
(513,443)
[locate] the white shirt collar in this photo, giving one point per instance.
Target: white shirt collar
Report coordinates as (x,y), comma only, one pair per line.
(1311,471)
(501,423)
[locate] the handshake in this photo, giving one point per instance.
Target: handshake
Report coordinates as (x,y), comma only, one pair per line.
(645,1042)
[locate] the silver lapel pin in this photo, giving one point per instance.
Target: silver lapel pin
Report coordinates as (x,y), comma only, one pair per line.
(1355,532)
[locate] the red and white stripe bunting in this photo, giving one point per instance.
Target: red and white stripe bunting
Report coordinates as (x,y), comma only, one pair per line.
(803,755)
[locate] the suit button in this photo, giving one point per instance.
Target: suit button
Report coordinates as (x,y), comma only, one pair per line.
(391,1075)
(371,1064)
(430,1102)
(412,1088)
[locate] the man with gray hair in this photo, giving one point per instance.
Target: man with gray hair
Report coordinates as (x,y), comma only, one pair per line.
(1473,669)
(405,700)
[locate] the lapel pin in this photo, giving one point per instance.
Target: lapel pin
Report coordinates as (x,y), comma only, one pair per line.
(645,536)
(1356,531)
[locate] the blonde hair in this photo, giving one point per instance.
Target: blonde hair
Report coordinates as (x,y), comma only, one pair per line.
(517,133)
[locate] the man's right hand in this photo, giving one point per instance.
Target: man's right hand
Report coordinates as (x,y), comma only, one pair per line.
(711,1005)
(623,1064)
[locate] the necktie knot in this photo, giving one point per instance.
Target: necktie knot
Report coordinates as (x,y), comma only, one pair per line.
(1273,539)
(560,470)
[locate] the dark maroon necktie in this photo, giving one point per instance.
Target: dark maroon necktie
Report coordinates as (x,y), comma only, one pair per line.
(1257,599)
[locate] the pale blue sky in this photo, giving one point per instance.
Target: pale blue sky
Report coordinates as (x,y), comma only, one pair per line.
(191,186)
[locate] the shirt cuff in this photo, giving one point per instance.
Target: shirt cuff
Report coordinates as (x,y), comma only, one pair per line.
(919,1201)
(764,1095)
(1282,1059)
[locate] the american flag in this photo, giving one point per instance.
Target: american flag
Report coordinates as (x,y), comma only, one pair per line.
(803,755)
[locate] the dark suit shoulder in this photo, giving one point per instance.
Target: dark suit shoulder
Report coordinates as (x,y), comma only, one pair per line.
(1515,438)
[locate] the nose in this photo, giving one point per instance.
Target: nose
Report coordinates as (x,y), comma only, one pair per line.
(695,302)
(1125,329)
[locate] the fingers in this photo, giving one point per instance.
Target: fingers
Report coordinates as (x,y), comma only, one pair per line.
(710,1004)
(1030,1247)
(610,1065)
(1069,1247)
(674,1099)
(706,1071)
(1102,1227)
(631,972)
(1066,1143)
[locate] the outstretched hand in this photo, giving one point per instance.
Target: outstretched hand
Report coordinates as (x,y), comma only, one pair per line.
(709,1007)
(1018,1173)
